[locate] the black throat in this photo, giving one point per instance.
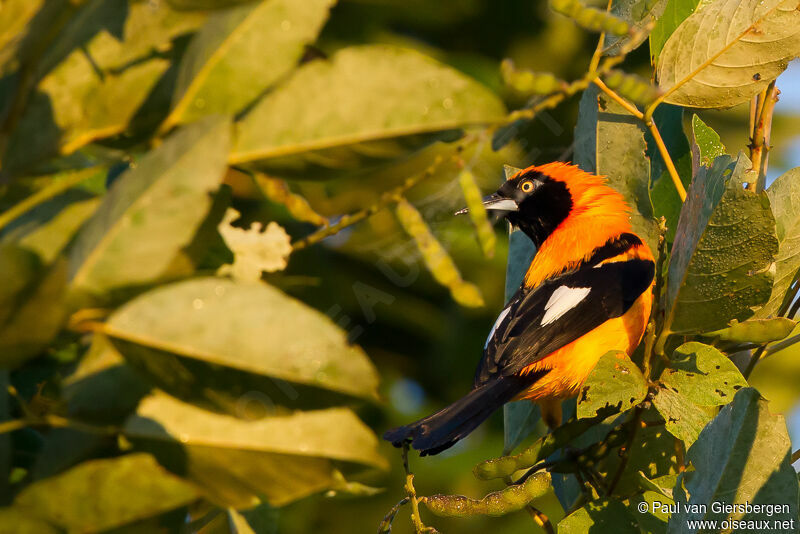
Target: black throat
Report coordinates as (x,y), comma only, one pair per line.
(541,213)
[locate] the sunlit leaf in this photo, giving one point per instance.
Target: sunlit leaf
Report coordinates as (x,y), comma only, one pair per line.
(713,277)
(151,212)
(436,258)
(610,142)
(601,516)
(362,98)
(94,80)
(706,145)
(102,494)
(741,456)
(726,52)
(16,520)
(255,251)
(283,457)
(784,197)
(675,12)
(249,327)
(614,381)
(224,68)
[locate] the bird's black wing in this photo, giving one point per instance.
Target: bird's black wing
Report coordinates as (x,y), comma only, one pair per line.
(537,322)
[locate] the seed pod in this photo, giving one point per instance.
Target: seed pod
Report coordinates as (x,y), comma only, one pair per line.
(436,258)
(483,228)
(591,18)
(527,82)
(540,449)
(755,330)
(278,191)
(632,87)
(510,499)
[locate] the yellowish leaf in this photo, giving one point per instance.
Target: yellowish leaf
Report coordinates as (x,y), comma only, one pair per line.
(255,250)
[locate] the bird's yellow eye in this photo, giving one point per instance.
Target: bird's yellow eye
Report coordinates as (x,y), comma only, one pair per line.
(527,186)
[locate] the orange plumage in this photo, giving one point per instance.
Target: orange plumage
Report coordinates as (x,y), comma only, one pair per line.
(588,290)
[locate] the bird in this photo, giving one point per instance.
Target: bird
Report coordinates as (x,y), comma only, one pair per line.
(588,290)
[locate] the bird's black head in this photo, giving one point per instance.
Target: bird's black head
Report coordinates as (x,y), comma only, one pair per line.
(533,201)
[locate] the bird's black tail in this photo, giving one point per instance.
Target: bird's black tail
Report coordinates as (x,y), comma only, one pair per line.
(441,430)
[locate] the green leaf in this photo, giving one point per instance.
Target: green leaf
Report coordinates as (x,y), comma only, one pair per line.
(702,374)
(755,330)
(614,381)
(103,388)
(151,212)
(103,494)
(15,520)
(706,145)
(784,197)
(726,52)
(713,278)
(609,141)
(684,419)
(94,80)
(365,94)
(675,12)
(249,327)
(37,320)
(638,14)
(741,456)
(20,267)
(283,457)
(600,516)
(224,69)
(666,201)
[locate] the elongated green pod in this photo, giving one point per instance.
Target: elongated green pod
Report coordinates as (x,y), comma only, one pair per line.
(527,82)
(633,87)
(542,448)
(436,258)
(755,330)
(505,501)
(591,18)
(477,213)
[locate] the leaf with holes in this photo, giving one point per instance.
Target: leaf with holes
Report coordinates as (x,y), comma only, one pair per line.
(727,51)
(614,381)
(702,374)
(721,261)
(742,456)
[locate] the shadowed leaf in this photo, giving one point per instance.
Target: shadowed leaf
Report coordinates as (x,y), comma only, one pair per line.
(713,277)
(614,381)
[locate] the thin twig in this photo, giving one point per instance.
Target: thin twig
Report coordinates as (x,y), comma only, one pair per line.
(795,456)
(387,198)
(754,360)
(759,140)
(651,125)
(385,526)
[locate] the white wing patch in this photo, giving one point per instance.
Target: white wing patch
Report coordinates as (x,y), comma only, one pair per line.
(496,324)
(561,301)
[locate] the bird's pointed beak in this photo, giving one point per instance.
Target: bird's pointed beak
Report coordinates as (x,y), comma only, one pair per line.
(495,202)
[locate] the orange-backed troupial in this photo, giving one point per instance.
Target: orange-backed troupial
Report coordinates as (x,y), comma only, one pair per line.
(588,290)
